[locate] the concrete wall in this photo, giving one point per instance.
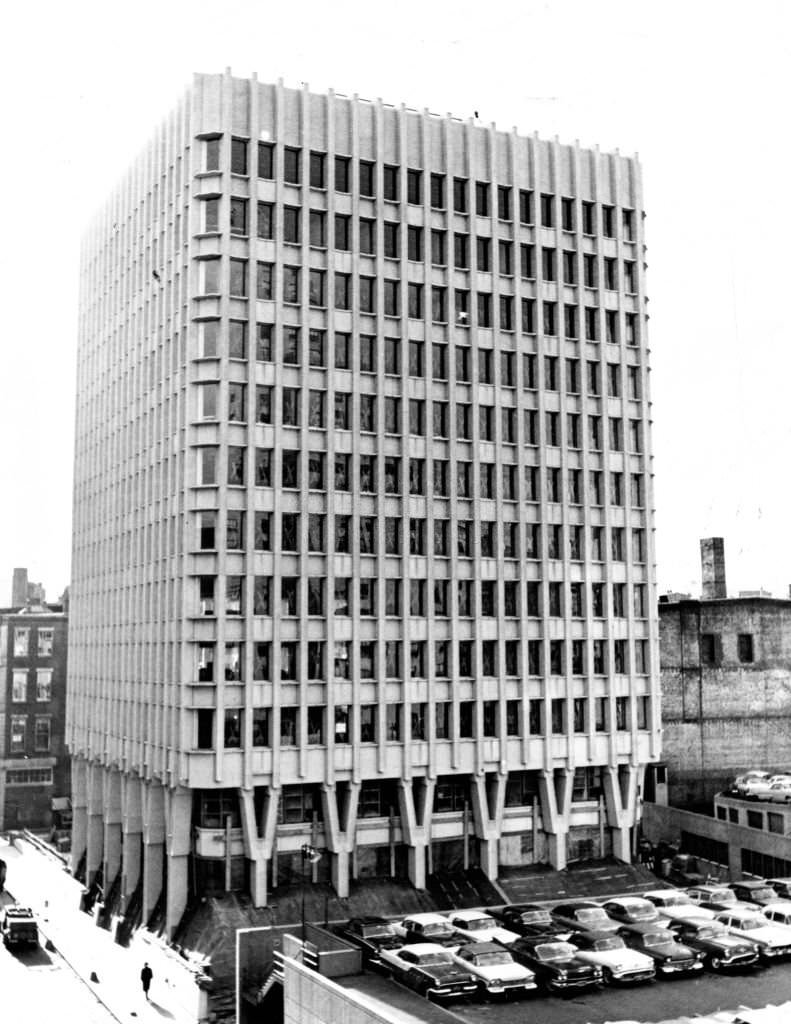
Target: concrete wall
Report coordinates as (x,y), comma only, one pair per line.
(726,716)
(310,999)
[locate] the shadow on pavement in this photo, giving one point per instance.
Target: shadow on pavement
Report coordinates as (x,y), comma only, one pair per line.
(161,1010)
(33,957)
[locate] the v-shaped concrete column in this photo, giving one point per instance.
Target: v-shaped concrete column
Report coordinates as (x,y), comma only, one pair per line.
(620,797)
(112,825)
(488,804)
(259,844)
(131,835)
(416,803)
(178,820)
(554,790)
(95,833)
(339,807)
(153,845)
(79,810)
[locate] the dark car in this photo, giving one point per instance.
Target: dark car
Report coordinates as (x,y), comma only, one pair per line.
(527,919)
(371,934)
(659,942)
(720,949)
(430,970)
(619,964)
(584,916)
(684,870)
(631,910)
(759,893)
(782,886)
(555,964)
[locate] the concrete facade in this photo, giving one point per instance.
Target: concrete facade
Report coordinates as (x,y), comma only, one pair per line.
(363,525)
(34,764)
(726,691)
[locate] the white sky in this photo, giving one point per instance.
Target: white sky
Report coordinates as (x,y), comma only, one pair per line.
(699,89)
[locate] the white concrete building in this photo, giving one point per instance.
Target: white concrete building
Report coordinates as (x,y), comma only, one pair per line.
(363,530)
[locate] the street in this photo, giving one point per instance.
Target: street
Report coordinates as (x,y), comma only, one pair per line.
(35,981)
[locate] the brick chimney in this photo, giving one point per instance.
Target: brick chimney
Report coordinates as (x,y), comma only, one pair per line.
(712,564)
(19,588)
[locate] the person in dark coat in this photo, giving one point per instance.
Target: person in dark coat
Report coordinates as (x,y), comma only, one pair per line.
(145,977)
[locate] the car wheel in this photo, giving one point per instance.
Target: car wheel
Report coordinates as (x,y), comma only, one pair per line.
(715,963)
(606,976)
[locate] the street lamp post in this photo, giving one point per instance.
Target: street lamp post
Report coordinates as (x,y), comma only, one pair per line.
(310,856)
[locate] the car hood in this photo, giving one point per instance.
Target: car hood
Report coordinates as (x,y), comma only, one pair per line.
(770,933)
(495,934)
(618,958)
(445,972)
(505,972)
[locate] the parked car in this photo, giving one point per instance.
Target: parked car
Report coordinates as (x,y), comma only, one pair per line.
(684,870)
(778,911)
(782,886)
(527,919)
(617,961)
(773,940)
(584,916)
(754,891)
(674,903)
(658,942)
(475,926)
(722,951)
(779,791)
(555,964)
(742,783)
(18,926)
(430,970)
(716,898)
(496,971)
(433,928)
(760,788)
(371,934)
(631,910)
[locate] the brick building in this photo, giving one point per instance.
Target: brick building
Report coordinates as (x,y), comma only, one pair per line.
(34,765)
(726,685)
(363,532)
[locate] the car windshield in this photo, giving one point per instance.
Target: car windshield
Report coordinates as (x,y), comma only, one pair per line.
(613,942)
(555,951)
(438,928)
(477,924)
(378,931)
(720,896)
(657,938)
(749,924)
(434,959)
(491,959)
(711,931)
(679,900)
(587,914)
(639,912)
(535,917)
(761,894)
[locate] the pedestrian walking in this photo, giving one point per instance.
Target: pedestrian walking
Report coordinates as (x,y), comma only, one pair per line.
(145,977)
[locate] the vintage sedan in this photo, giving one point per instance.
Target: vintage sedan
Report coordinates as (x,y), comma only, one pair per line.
(619,964)
(670,957)
(782,886)
(631,910)
(555,964)
(528,919)
(717,898)
(721,950)
(476,926)
(674,903)
(429,928)
(779,792)
(743,784)
(584,916)
(497,972)
(773,940)
(754,892)
(778,911)
(430,970)
(371,934)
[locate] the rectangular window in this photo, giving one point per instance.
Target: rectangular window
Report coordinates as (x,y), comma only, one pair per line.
(745,648)
(414,187)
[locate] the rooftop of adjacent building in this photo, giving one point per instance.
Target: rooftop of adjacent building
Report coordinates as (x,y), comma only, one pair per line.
(714,587)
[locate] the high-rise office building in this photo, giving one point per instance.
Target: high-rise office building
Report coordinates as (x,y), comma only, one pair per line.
(363,550)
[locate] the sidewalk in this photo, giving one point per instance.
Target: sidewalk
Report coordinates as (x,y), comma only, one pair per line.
(40,882)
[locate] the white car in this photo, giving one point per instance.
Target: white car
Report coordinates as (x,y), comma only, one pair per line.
(496,970)
(429,928)
(742,783)
(761,788)
(618,963)
(476,926)
(773,940)
(430,970)
(778,912)
(675,904)
(779,791)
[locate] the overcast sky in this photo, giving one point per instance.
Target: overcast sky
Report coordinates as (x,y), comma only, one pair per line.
(699,89)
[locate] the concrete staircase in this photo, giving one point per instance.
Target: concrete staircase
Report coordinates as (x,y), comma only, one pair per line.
(584,880)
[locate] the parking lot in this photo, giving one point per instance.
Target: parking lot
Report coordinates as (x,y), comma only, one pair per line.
(658,1001)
